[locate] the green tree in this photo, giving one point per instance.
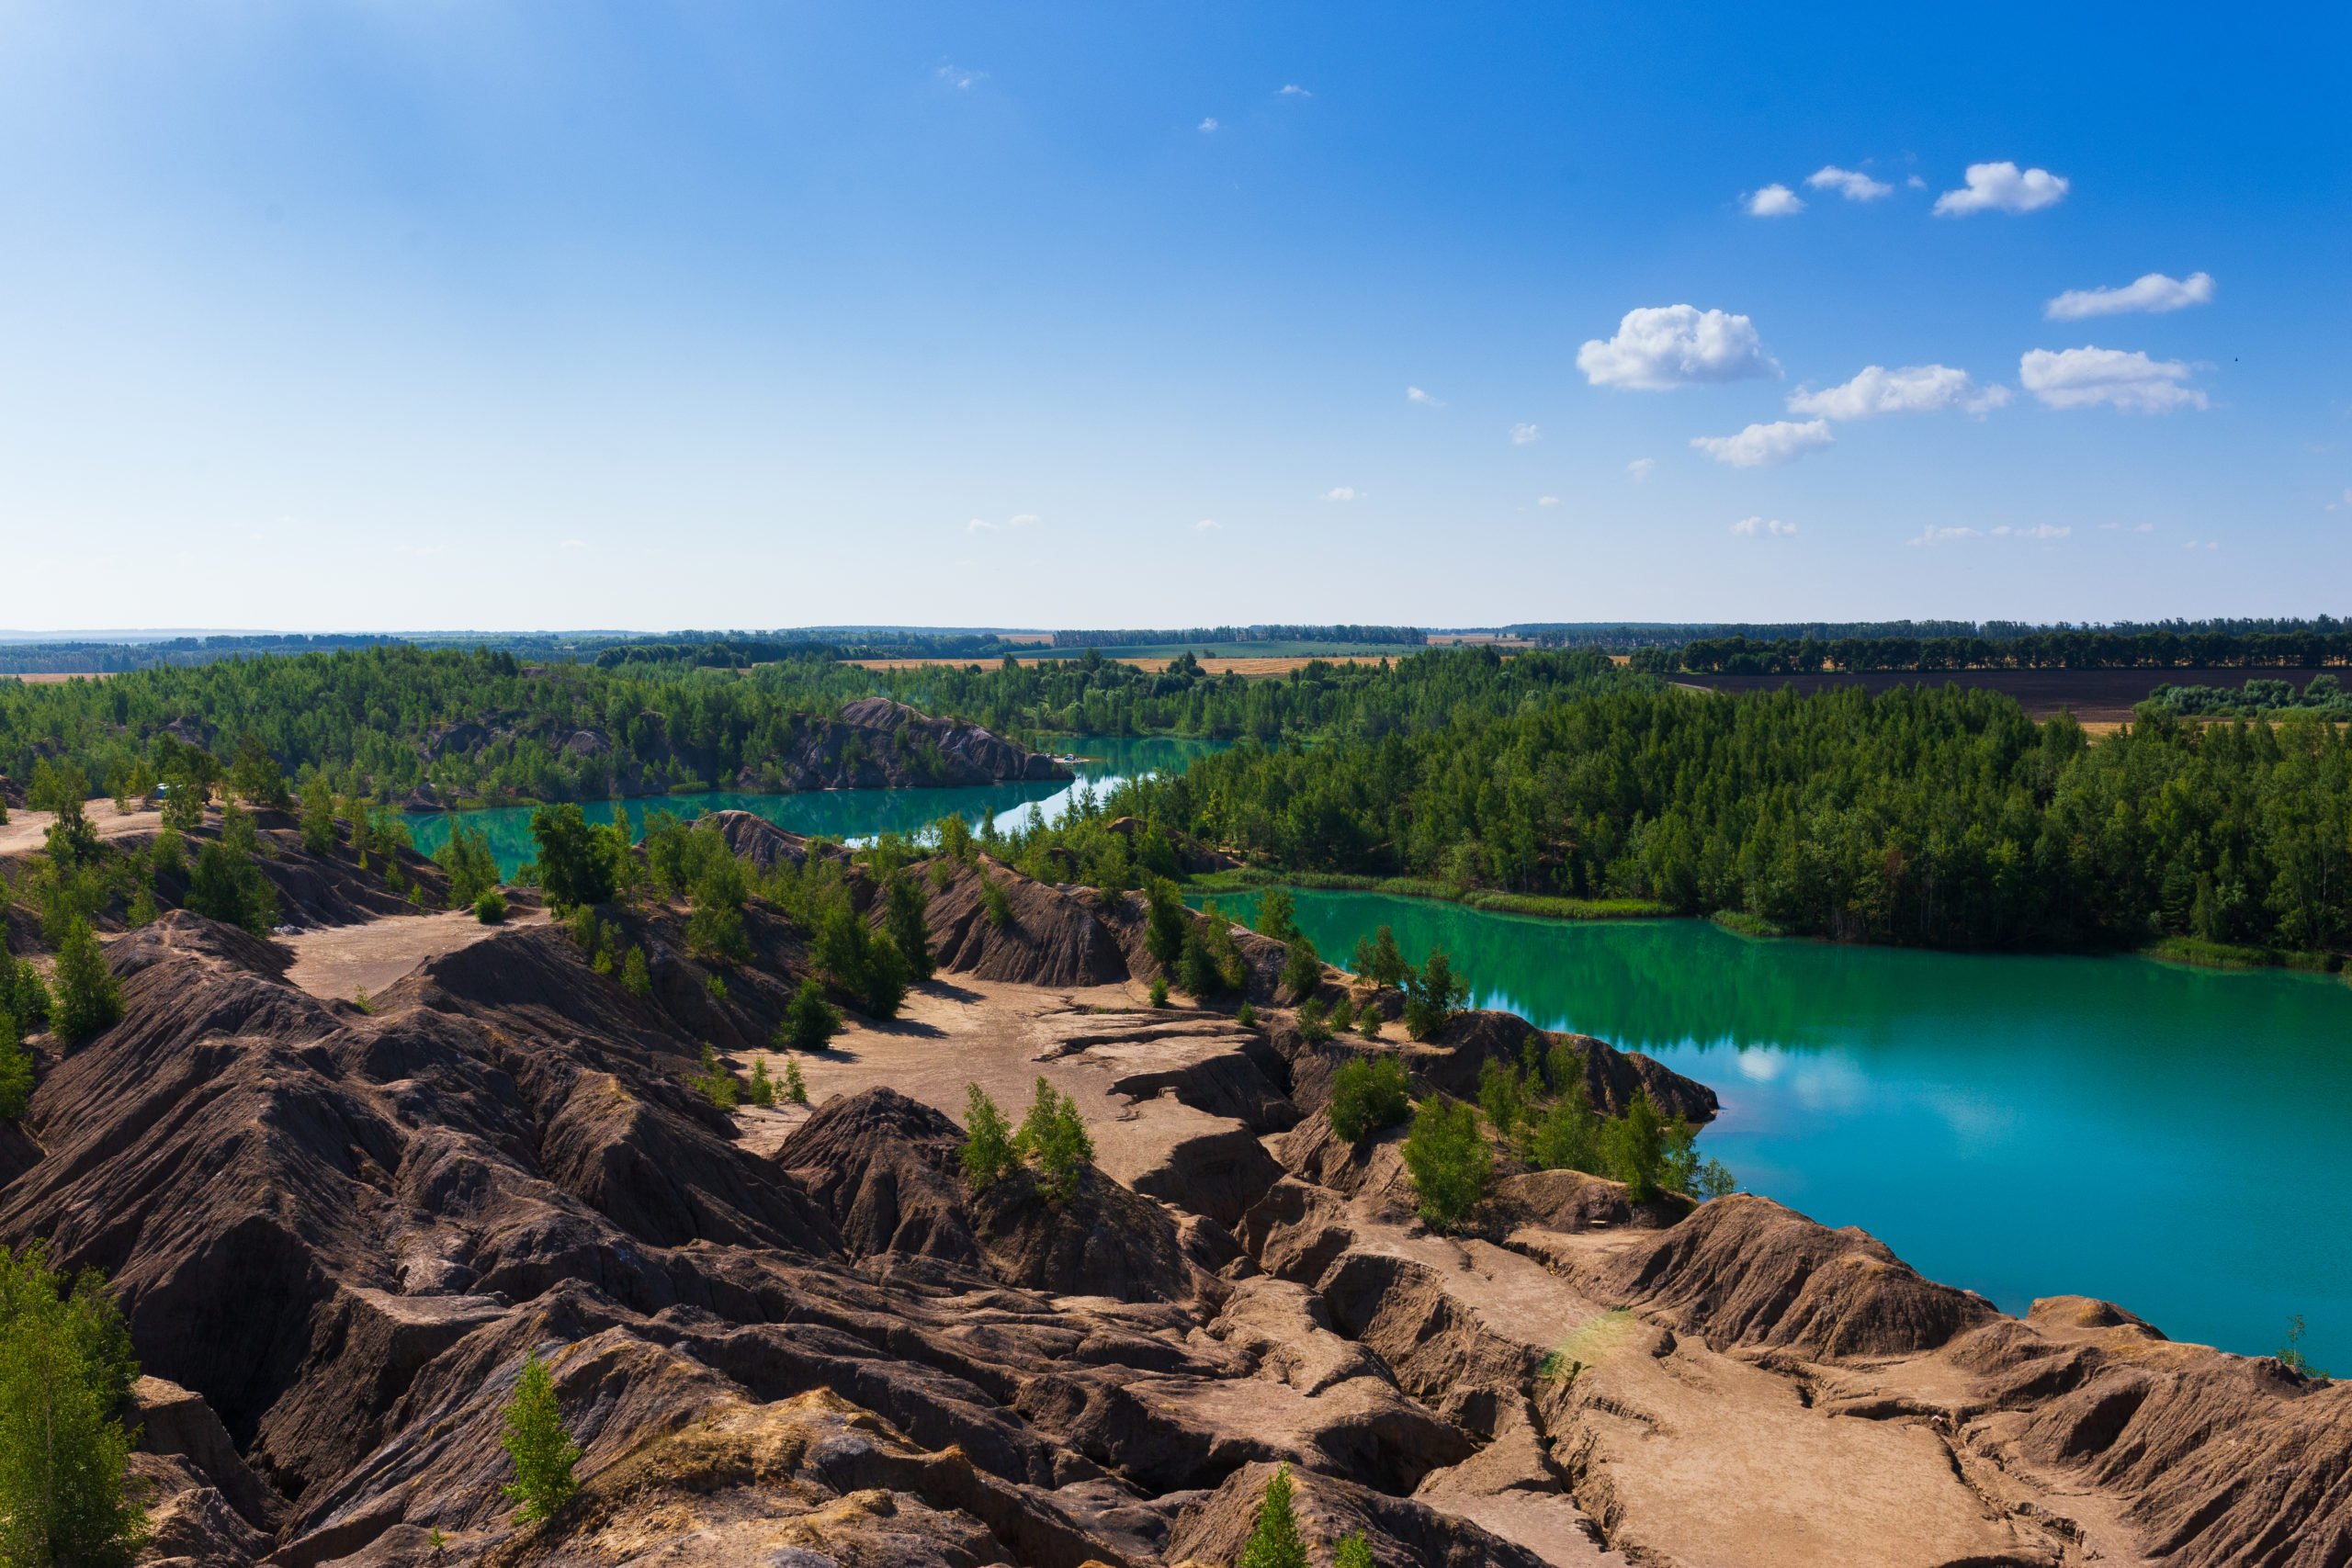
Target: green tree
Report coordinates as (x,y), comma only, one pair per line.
(1159,990)
(1353,1551)
(763,1088)
(1633,1147)
(318,814)
(24,996)
(575,868)
(1567,1135)
(228,887)
(256,774)
(988,1155)
(1377,959)
(1503,1095)
(1274,1542)
(870,969)
(1054,1138)
(1368,1094)
(954,836)
(490,908)
(1277,915)
(540,1445)
(64,789)
(1302,967)
(65,1375)
(809,1021)
(636,978)
(16,1072)
(994,903)
(1166,924)
(467,859)
(1450,1160)
(904,903)
(796,1087)
(714,1083)
(1432,992)
(88,1000)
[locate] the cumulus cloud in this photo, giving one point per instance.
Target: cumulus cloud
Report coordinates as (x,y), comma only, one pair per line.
(1767,446)
(2039,531)
(1023,520)
(1775,201)
(957,77)
(1342,493)
(2084,377)
(1524,435)
(1640,467)
(980,526)
(1931,535)
(1771,527)
(1293,90)
(1547,501)
(2002,187)
(1208,125)
(2151,292)
(1852,183)
(1662,346)
(1207,526)
(1915,389)
(1415,395)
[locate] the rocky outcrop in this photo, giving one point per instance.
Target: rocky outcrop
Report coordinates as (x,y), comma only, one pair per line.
(1037,935)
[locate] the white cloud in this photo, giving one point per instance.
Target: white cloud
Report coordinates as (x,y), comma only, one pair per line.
(1293,90)
(1661,347)
(1916,183)
(1766,445)
(1931,535)
(1640,467)
(1749,528)
(2002,187)
(1547,501)
(1209,125)
(2151,292)
(1415,395)
(1023,520)
(1524,435)
(2151,527)
(2083,378)
(575,544)
(2202,544)
(980,526)
(2039,531)
(1775,201)
(957,77)
(1207,526)
(1343,492)
(1915,389)
(1852,183)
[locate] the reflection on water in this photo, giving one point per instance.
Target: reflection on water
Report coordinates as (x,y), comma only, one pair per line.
(2163,1138)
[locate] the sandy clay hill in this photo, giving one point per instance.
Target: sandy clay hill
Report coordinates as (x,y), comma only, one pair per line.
(794,1337)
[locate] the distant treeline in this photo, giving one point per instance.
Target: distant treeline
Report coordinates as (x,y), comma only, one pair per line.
(106,658)
(1393,637)
(737,652)
(1623,637)
(2310,646)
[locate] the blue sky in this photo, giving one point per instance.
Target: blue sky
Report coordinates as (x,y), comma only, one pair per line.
(410,313)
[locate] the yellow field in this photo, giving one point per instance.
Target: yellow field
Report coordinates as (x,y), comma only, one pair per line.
(1215,664)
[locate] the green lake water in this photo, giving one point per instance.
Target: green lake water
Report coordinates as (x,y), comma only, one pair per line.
(849,813)
(2170,1139)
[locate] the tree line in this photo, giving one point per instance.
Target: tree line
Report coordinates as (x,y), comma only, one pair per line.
(2091,648)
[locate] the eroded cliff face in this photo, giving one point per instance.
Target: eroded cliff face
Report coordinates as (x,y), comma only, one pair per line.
(795,1337)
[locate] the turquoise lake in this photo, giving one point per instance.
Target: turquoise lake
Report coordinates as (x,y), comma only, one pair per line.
(2169,1139)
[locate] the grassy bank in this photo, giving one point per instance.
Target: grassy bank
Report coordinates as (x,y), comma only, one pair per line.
(1538,904)
(1740,923)
(2228,955)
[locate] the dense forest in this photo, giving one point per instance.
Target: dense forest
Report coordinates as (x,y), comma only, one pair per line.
(484,726)
(2326,642)
(1931,816)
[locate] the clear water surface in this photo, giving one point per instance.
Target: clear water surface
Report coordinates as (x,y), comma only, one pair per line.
(2167,1138)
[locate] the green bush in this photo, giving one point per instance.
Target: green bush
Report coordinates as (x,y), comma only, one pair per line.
(1633,1147)
(714,1083)
(1245,1016)
(1159,990)
(490,908)
(988,1155)
(1377,959)
(16,1072)
(24,996)
(1368,1019)
(868,967)
(466,858)
(1567,1135)
(1368,1094)
(904,903)
(994,903)
(1165,922)
(537,1443)
(762,1088)
(1353,1551)
(228,887)
(796,1087)
(88,1000)
(1313,1027)
(1274,1540)
(575,861)
(809,1021)
(1302,969)
(1277,915)
(636,978)
(1450,1161)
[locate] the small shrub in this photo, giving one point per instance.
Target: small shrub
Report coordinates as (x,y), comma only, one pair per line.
(994,902)
(1567,1135)
(1302,969)
(989,1154)
(1277,915)
(1353,1551)
(1378,960)
(763,1088)
(1368,1020)
(796,1087)
(490,908)
(363,1001)
(1245,1016)
(1432,992)
(1344,1015)
(1165,922)
(1633,1147)
(1368,1094)
(16,1072)
(714,1083)
(714,986)
(1502,1096)
(1450,1161)
(636,978)
(1313,1027)
(809,1021)
(541,1448)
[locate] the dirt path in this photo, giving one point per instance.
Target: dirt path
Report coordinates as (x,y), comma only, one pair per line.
(24,830)
(340,961)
